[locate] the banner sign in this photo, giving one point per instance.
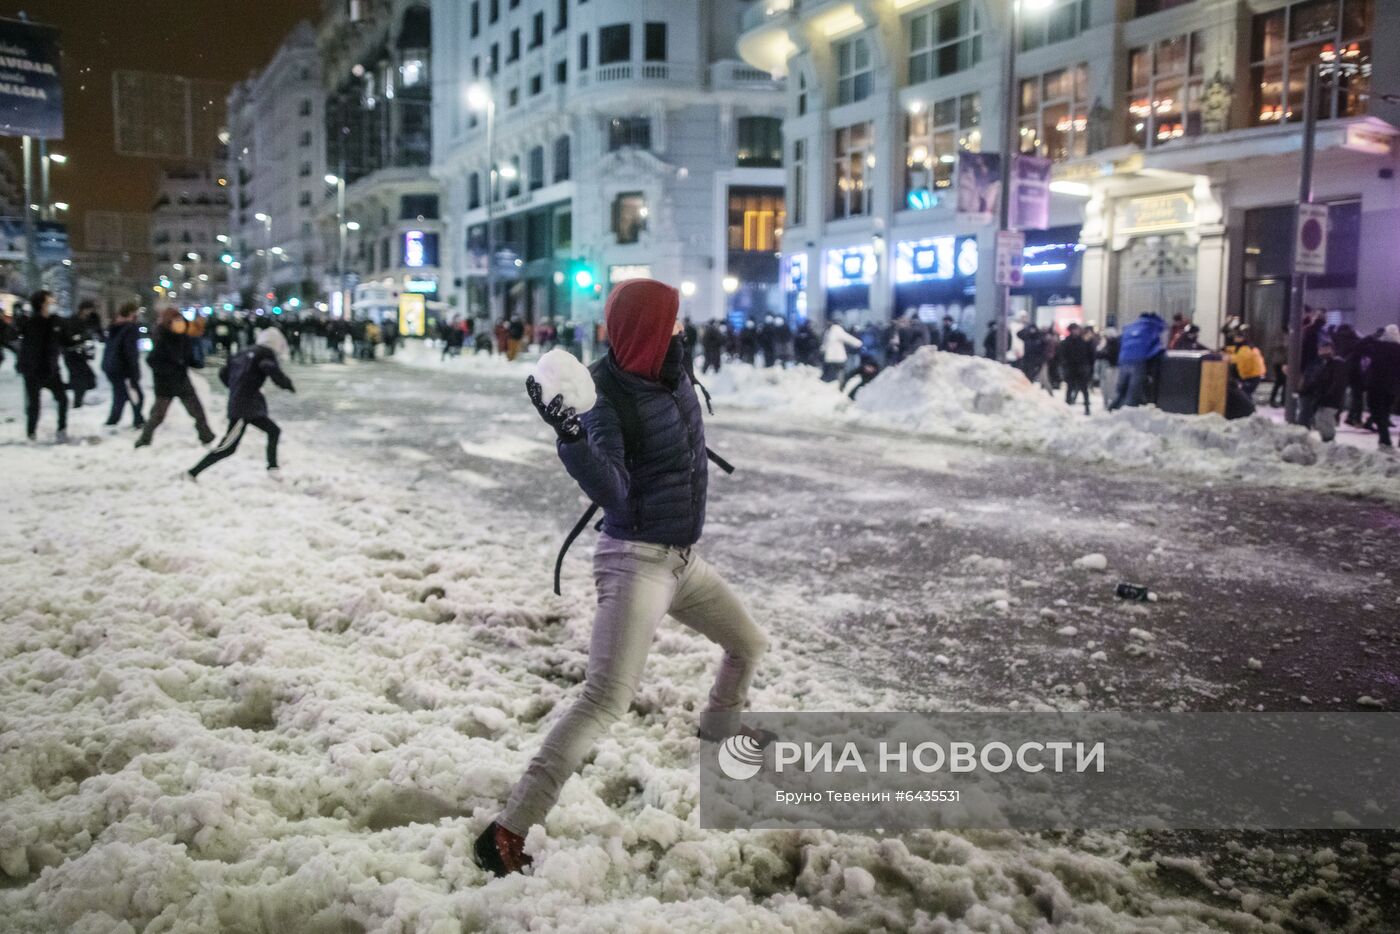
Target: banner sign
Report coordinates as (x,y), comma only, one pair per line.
(1310,255)
(979,185)
(31,88)
(1030,188)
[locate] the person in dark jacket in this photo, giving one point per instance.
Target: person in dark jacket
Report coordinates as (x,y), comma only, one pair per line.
(244,375)
(77,331)
(121,362)
(652,491)
(1076,366)
(1383,381)
(712,347)
(169,361)
(1323,390)
(1033,360)
(42,337)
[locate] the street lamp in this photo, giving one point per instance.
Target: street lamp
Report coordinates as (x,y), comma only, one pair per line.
(266,221)
(46,159)
(338,183)
(1010,145)
(481,97)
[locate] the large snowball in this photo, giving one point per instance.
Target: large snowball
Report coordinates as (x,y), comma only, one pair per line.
(560,373)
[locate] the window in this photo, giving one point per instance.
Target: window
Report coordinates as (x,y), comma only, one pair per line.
(473,191)
(564,231)
(614,44)
(418,207)
(514,4)
(756,218)
(1148,7)
(944,41)
(514,46)
(1286,41)
(305,170)
(561,16)
(536,166)
(305,138)
(801,94)
(513,179)
(933,138)
(853,74)
(305,109)
(1054,113)
(476,19)
(495,11)
(513,98)
(476,66)
(561,71)
(583,52)
(629,216)
(305,199)
(561,159)
(536,85)
(1164,90)
(629,133)
(495,58)
(855,159)
(655,42)
(797,209)
(537,31)
(1064,20)
(760,142)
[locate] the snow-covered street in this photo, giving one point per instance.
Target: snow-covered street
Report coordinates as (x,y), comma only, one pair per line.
(251,706)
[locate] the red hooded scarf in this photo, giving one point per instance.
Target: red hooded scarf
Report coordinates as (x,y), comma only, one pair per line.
(640,316)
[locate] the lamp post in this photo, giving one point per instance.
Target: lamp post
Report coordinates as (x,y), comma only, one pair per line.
(481,97)
(266,221)
(338,181)
(46,205)
(1010,146)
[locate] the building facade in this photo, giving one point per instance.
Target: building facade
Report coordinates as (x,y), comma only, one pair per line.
(189,227)
(627,141)
(1175,130)
(378,82)
(277,165)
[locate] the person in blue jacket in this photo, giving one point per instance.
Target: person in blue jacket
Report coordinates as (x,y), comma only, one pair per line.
(1140,345)
(121,362)
(244,375)
(652,489)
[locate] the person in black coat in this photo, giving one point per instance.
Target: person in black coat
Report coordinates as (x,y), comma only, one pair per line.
(712,345)
(1076,356)
(1383,381)
(77,331)
(169,361)
(121,362)
(42,343)
(244,375)
(1323,391)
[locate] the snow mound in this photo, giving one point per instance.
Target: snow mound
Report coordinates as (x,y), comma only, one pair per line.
(560,373)
(971,398)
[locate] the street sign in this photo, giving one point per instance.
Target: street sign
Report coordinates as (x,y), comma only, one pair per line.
(1011,257)
(1310,252)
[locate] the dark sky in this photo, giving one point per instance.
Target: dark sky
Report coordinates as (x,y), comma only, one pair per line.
(218,39)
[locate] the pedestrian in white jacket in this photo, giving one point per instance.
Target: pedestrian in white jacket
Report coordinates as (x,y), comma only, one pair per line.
(834,356)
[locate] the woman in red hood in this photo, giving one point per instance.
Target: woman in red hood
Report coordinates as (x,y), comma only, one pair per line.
(651,486)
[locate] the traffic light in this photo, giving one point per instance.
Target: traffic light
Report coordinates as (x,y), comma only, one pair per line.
(582,276)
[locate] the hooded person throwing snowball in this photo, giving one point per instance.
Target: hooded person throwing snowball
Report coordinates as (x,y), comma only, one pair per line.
(651,488)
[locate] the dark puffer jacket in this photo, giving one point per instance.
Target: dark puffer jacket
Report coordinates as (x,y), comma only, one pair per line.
(244,375)
(661,500)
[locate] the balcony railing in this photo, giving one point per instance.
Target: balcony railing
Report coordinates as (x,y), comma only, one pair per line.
(733,74)
(765,10)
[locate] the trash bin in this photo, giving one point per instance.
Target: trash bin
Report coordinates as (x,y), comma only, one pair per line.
(1192,382)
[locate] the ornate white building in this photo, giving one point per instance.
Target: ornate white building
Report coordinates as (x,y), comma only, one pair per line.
(1175,130)
(629,141)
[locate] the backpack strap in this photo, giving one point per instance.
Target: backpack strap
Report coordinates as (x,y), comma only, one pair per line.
(577,531)
(719,462)
(709,403)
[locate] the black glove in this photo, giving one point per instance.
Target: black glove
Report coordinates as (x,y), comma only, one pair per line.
(563,419)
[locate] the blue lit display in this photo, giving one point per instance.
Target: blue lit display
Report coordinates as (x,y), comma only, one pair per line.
(851,266)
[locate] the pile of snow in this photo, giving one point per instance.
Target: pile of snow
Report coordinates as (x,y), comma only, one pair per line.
(956,396)
(245,706)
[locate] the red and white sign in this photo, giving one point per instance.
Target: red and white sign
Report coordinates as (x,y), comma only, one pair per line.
(1310,253)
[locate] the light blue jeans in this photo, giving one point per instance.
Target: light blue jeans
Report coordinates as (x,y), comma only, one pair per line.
(638,584)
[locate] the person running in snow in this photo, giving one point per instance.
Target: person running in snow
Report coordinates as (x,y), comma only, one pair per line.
(170,359)
(77,351)
(42,344)
(121,362)
(244,375)
(836,344)
(652,492)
